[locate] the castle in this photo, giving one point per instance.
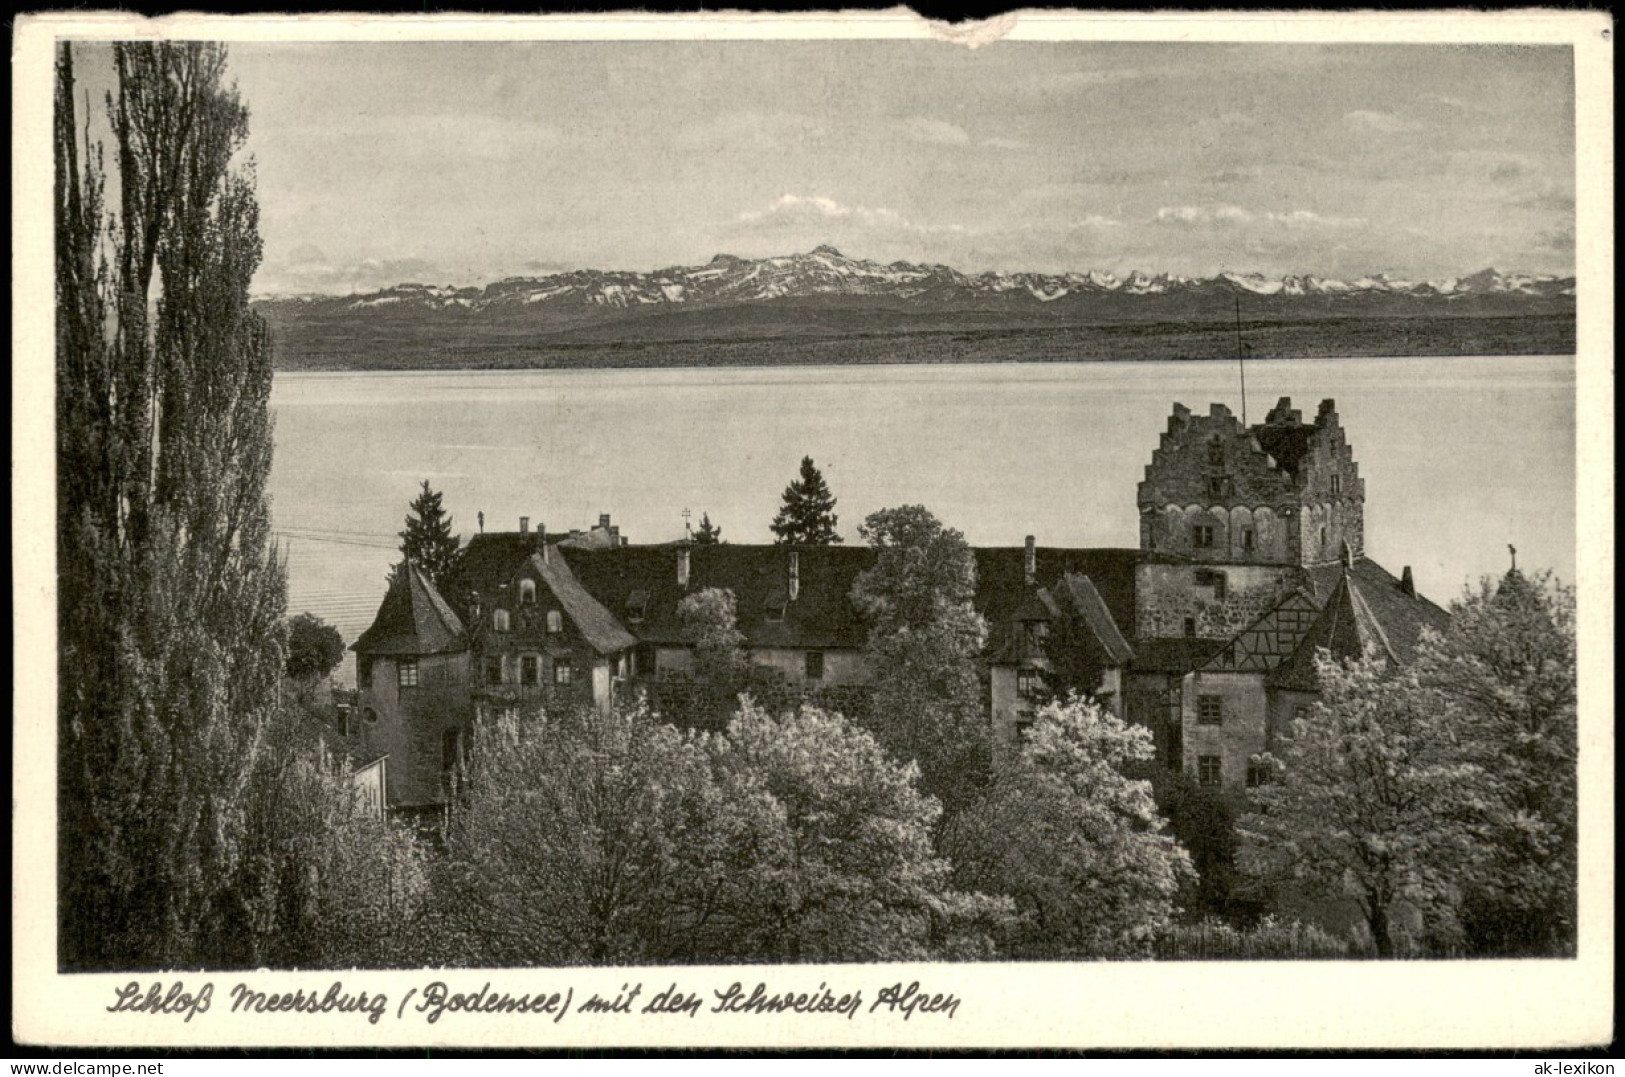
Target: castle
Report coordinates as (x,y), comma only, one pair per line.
(1251,559)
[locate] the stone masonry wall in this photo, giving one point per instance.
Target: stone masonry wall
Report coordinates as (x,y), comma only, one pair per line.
(1166,595)
(1212,493)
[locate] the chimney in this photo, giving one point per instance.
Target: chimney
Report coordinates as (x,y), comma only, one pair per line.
(1407,582)
(795,575)
(541,538)
(524,525)
(481,515)
(614,536)
(603,521)
(682,568)
(1031,564)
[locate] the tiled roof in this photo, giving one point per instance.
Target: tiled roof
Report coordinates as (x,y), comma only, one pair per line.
(1086,601)
(1001,587)
(596,624)
(489,562)
(1005,598)
(1402,616)
(821,615)
(413,619)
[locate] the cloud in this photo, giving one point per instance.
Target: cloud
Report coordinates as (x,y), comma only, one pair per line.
(1223,216)
(1551,198)
(1227,177)
(301,273)
(935,132)
(1560,240)
(1074,80)
(1057,192)
(750,128)
(799,211)
(1367,121)
(544,265)
(1508,171)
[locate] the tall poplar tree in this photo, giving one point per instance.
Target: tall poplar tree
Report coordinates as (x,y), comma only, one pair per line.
(170,596)
(807,517)
(924,646)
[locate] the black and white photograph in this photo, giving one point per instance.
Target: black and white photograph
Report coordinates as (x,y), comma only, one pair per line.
(787,533)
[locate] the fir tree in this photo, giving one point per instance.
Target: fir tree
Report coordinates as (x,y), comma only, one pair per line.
(427,541)
(807,517)
(170,597)
(708,534)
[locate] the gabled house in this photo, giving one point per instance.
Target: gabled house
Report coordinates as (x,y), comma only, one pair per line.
(412,683)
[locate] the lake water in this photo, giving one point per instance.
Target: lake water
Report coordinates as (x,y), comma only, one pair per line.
(1460,456)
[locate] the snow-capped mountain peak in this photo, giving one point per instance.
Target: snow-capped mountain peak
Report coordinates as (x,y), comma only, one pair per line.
(825,271)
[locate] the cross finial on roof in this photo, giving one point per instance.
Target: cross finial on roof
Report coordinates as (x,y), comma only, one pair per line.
(686,514)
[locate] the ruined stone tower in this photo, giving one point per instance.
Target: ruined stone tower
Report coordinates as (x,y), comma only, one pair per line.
(1281,492)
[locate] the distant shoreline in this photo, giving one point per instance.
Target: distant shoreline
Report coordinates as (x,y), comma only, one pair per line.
(299,349)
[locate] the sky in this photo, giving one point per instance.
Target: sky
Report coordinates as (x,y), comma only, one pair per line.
(463,163)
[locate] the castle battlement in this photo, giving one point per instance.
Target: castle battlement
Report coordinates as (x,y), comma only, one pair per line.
(1278,492)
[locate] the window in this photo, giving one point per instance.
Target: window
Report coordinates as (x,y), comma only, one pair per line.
(527,592)
(646,660)
(1215,452)
(493,670)
(363,671)
(1258,773)
(1247,541)
(499,620)
(555,622)
(1300,713)
(1337,484)
(369,716)
(1215,580)
(815,665)
(1190,626)
(561,673)
(637,603)
(1209,770)
(451,749)
(1323,536)
(1218,486)
(1209,710)
(407,672)
(528,666)
(1024,730)
(1029,682)
(1202,536)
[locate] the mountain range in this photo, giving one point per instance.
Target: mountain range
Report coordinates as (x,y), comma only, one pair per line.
(823,293)
(826,271)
